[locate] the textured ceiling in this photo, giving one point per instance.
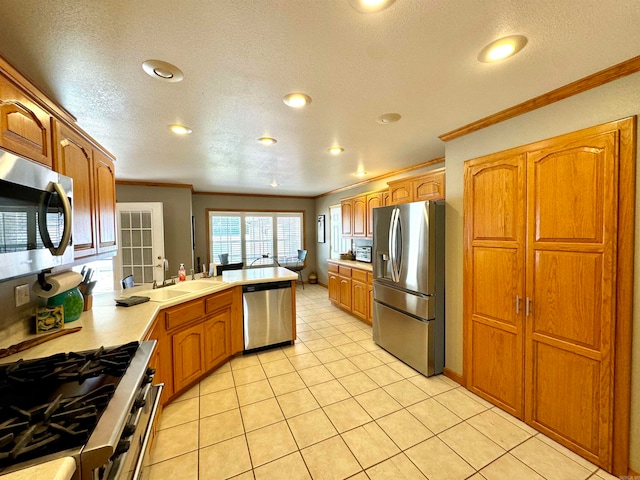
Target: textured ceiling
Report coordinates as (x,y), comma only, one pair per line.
(240,57)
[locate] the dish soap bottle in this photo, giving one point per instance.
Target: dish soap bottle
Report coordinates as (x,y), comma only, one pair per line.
(182,273)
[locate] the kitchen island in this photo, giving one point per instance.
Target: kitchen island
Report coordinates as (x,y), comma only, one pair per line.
(197,325)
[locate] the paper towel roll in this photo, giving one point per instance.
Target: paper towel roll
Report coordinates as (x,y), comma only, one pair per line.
(60,282)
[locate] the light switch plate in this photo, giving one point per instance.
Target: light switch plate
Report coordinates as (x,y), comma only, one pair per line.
(22,295)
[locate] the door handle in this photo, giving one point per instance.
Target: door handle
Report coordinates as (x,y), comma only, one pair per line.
(517,304)
(527,306)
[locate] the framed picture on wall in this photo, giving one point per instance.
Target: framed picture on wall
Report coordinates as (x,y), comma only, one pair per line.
(321,229)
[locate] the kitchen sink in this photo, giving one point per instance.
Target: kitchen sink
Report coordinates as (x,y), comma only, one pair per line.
(192,286)
(162,295)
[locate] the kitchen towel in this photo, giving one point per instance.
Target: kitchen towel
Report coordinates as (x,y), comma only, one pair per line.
(55,284)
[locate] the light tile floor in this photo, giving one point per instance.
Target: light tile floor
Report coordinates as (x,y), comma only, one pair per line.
(336,406)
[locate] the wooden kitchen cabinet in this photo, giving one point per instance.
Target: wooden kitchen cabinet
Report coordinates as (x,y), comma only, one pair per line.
(188,355)
(94,200)
(359,294)
(357,214)
(427,186)
(105,201)
(195,337)
(73,158)
(346,208)
(541,268)
(25,127)
(334,284)
(354,216)
(350,289)
(374,200)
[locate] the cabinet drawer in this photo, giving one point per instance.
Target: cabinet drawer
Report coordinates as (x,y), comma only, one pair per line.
(344,271)
(333,267)
(185,313)
(359,275)
(218,301)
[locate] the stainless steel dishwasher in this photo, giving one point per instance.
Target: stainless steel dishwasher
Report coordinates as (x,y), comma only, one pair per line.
(266,310)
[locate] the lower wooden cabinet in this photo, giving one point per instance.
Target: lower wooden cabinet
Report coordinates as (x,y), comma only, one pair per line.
(350,289)
(188,358)
(194,338)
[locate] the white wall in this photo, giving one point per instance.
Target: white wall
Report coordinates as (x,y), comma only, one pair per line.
(610,102)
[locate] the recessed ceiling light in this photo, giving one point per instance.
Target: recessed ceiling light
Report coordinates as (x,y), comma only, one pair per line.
(388,118)
(360,173)
(297,100)
(370,6)
(162,71)
(336,150)
(267,140)
(274,184)
(180,129)
(502,48)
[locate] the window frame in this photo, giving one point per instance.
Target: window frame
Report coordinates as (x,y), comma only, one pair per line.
(243,214)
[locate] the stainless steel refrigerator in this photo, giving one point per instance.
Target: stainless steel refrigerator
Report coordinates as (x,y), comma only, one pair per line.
(408,283)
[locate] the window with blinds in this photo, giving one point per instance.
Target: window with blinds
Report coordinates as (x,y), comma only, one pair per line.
(251,236)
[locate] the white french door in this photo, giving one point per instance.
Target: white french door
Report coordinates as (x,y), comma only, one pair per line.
(141,243)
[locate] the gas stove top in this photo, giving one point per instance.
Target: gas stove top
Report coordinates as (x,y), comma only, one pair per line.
(53,404)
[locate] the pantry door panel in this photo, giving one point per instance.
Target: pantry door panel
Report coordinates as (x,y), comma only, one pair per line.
(494,280)
(570,284)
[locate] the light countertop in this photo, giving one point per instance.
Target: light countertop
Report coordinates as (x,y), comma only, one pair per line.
(107,325)
(352,263)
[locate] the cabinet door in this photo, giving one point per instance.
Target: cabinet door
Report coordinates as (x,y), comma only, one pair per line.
(188,358)
(429,187)
(401,192)
(359,216)
(359,299)
(494,249)
(374,200)
(25,128)
(73,158)
(105,201)
(347,222)
(334,288)
(217,338)
(572,192)
(345,293)
(161,360)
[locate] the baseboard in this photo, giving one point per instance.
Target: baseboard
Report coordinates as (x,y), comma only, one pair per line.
(453,376)
(322,285)
(633,474)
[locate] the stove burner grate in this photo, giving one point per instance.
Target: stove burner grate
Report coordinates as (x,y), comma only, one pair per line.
(54,403)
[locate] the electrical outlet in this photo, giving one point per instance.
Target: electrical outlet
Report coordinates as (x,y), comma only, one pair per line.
(22,295)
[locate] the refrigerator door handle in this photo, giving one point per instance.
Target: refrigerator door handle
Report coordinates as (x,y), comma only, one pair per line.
(393,244)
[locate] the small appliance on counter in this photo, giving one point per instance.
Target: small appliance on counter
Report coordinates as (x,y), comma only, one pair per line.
(363,254)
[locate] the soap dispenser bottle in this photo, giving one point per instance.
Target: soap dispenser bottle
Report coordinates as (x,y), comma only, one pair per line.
(182,273)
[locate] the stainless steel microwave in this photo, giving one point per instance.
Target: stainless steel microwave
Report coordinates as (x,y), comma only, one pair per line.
(35,217)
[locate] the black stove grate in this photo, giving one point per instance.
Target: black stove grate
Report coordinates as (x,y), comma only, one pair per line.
(52,404)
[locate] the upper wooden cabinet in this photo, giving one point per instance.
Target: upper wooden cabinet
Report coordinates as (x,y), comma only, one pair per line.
(34,127)
(25,127)
(94,219)
(428,186)
(105,201)
(346,208)
(374,200)
(357,214)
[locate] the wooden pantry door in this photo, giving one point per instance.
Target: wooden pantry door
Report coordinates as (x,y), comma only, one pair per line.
(572,199)
(494,234)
